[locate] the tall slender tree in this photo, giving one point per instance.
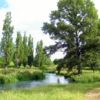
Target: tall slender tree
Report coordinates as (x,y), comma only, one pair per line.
(39,54)
(25,50)
(7,41)
(41,57)
(19,50)
(30,51)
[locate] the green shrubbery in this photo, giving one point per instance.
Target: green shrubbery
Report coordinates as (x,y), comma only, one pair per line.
(4,78)
(27,75)
(14,75)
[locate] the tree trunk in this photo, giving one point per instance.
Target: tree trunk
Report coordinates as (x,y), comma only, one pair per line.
(78,54)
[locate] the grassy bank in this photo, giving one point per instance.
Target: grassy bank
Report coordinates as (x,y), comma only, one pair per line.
(87,76)
(14,75)
(57,92)
(73,91)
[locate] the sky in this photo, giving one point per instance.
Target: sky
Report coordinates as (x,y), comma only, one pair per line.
(28,16)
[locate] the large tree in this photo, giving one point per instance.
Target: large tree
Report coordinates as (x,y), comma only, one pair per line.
(74,27)
(7,41)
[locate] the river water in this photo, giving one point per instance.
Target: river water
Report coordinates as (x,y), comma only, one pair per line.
(50,79)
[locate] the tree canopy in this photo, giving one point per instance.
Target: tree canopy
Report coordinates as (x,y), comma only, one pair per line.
(74,26)
(7,41)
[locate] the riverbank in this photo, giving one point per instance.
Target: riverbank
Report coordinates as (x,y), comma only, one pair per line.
(73,91)
(13,75)
(77,90)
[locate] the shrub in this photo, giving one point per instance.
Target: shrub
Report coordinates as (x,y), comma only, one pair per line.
(37,75)
(25,75)
(13,75)
(4,79)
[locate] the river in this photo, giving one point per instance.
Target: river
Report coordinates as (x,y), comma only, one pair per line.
(50,79)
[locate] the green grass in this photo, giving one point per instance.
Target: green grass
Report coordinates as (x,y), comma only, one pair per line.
(87,76)
(74,91)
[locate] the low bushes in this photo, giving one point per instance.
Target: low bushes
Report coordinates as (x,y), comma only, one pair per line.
(4,79)
(26,75)
(15,75)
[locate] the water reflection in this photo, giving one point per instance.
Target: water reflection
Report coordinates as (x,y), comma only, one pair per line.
(50,78)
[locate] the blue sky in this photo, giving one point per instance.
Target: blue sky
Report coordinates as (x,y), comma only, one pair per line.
(3,4)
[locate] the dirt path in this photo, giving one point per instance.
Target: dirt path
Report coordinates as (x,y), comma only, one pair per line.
(93,94)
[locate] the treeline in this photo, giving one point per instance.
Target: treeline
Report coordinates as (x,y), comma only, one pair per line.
(20,52)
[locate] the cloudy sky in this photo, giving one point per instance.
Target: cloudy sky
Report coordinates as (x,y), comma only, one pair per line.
(28,16)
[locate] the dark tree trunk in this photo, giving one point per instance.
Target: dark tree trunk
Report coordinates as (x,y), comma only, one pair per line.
(78,54)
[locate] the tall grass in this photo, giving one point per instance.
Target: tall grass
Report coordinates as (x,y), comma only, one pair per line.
(87,77)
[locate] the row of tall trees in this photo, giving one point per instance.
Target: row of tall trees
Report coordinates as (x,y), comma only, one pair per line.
(75,27)
(21,51)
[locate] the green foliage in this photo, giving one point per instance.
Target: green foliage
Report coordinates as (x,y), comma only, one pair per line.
(27,75)
(41,57)
(7,45)
(15,75)
(11,64)
(7,78)
(1,61)
(30,51)
(24,50)
(19,50)
(74,26)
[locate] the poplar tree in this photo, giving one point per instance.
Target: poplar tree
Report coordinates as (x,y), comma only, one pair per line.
(25,50)
(19,50)
(41,57)
(7,41)
(30,51)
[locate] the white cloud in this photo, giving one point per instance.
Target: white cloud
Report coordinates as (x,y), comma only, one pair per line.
(97,5)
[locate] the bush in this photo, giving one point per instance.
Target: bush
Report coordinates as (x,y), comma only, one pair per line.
(13,75)
(37,75)
(11,64)
(27,75)
(4,79)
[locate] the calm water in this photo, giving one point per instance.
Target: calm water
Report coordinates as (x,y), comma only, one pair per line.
(50,78)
